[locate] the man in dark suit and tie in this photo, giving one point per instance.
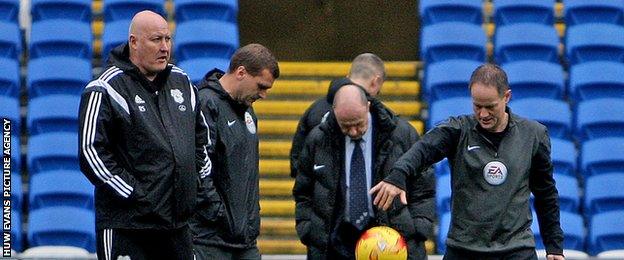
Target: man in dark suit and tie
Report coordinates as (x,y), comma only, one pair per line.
(341,160)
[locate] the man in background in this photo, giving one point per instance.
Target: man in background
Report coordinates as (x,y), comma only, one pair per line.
(227,219)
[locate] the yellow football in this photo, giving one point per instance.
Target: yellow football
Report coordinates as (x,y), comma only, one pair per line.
(381,243)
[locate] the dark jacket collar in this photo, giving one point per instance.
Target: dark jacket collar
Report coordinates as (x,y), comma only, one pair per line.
(120,58)
(211,81)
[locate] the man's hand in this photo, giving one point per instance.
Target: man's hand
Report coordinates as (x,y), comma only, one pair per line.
(385,195)
(555,257)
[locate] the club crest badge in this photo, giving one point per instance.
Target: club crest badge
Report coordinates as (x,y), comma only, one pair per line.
(177,96)
(250,123)
(495,173)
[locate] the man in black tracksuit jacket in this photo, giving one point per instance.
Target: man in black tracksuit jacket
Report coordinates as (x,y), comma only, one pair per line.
(319,189)
(143,145)
(227,219)
(497,159)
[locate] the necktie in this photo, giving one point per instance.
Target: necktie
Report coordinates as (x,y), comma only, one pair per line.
(358,199)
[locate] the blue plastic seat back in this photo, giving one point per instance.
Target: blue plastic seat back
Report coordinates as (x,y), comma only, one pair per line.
(597,79)
(10,40)
(527,11)
(205,39)
(595,42)
(9,10)
(592,11)
(115,33)
(564,157)
(69,76)
(554,114)
(223,10)
(445,223)
(569,193)
(62,226)
(442,109)
(606,232)
(9,78)
(438,11)
(197,68)
(573,231)
(526,41)
(447,79)
(79,10)
(599,156)
(599,118)
(539,79)
(604,193)
(61,37)
(10,109)
(17,196)
(53,113)
(17,237)
(60,188)
(53,151)
(453,40)
(114,10)
(443,193)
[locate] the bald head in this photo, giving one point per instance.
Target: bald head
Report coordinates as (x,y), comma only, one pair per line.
(149,42)
(368,70)
(351,110)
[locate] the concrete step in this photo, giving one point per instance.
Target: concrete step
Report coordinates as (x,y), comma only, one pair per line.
(319,88)
(281,246)
(278,227)
(400,69)
(274,168)
(288,127)
(277,208)
(269,187)
(296,108)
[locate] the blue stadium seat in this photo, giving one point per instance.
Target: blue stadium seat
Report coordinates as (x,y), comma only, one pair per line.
(52,151)
(532,78)
(594,42)
(554,114)
(60,188)
(115,33)
(69,76)
(205,39)
(452,40)
(223,10)
(79,10)
(599,156)
(61,37)
(10,41)
(62,226)
(443,194)
(450,78)
(564,157)
(598,118)
(10,108)
(592,11)
(437,11)
(53,113)
(527,11)
(569,193)
(573,231)
(197,68)
(16,154)
(526,41)
(606,232)
(9,78)
(17,237)
(9,10)
(596,79)
(114,10)
(604,193)
(17,192)
(442,109)
(442,167)
(445,223)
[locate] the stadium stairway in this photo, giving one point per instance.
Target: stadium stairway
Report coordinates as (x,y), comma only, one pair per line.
(299,85)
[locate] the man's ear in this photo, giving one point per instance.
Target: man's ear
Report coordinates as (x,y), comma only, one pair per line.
(240,72)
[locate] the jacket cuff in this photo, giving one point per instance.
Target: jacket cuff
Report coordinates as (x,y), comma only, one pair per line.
(553,250)
(396,178)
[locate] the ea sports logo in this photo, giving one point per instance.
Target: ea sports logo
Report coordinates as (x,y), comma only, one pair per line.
(495,173)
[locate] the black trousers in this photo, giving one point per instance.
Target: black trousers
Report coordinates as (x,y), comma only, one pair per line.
(203,252)
(518,254)
(144,244)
